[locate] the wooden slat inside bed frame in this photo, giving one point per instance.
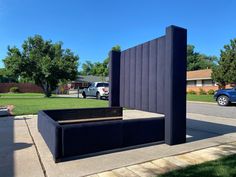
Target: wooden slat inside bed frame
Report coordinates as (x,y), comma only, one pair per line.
(73,121)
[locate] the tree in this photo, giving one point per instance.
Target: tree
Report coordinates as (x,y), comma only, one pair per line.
(225,72)
(86,68)
(98,68)
(4,77)
(197,61)
(116,48)
(43,62)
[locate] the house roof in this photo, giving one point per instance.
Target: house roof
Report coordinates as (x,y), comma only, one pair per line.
(199,74)
(91,78)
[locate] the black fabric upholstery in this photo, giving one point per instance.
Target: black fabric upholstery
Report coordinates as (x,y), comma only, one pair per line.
(69,114)
(93,137)
(51,133)
(142,76)
(141,131)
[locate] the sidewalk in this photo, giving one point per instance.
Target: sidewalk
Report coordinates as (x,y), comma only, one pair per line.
(24,153)
(163,165)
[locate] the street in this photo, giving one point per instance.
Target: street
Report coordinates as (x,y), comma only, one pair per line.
(212,109)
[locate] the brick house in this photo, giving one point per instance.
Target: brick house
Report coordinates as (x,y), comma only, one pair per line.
(84,81)
(200,79)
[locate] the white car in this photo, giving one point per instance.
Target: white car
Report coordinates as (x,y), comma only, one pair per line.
(97,89)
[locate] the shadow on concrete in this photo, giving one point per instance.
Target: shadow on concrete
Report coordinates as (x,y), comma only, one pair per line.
(19,146)
(199,130)
(94,98)
(80,97)
(8,146)
(232,105)
(25,118)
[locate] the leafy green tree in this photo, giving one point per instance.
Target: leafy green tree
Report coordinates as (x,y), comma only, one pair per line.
(197,61)
(2,75)
(5,78)
(225,71)
(116,48)
(43,62)
(98,68)
(86,68)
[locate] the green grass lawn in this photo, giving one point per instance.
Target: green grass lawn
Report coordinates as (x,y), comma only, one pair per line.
(31,103)
(204,98)
(224,167)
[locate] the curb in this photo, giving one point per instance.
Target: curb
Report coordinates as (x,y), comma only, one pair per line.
(202,102)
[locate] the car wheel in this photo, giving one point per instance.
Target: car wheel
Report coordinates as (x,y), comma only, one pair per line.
(84,95)
(98,96)
(223,100)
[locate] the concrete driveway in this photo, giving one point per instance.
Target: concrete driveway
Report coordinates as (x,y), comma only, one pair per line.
(212,109)
(23,152)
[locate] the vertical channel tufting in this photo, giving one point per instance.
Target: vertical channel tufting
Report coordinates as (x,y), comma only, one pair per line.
(127,81)
(122,79)
(132,77)
(138,81)
(145,73)
(152,75)
(142,76)
(153,78)
(160,73)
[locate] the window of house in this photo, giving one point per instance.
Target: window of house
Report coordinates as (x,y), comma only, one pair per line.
(208,82)
(191,83)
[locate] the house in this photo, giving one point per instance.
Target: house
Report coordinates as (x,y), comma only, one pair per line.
(200,79)
(80,83)
(84,81)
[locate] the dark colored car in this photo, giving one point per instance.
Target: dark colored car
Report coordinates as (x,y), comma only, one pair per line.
(225,96)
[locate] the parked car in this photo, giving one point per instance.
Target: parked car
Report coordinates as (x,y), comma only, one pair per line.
(97,89)
(225,96)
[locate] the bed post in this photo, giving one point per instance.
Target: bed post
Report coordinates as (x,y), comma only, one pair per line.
(114,79)
(175,85)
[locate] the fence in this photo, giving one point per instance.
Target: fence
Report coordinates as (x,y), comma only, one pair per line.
(23,87)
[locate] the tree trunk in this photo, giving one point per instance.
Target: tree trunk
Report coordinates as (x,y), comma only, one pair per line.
(47,90)
(222,85)
(48,94)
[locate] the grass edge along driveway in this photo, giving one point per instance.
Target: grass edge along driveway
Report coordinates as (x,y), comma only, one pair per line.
(201,98)
(223,167)
(31,103)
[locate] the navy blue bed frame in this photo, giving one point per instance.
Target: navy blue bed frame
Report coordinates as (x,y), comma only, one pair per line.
(149,77)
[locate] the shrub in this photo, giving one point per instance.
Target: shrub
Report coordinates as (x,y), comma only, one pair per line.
(202,92)
(192,92)
(14,90)
(211,92)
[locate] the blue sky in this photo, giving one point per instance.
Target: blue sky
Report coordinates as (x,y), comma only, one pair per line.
(91,27)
